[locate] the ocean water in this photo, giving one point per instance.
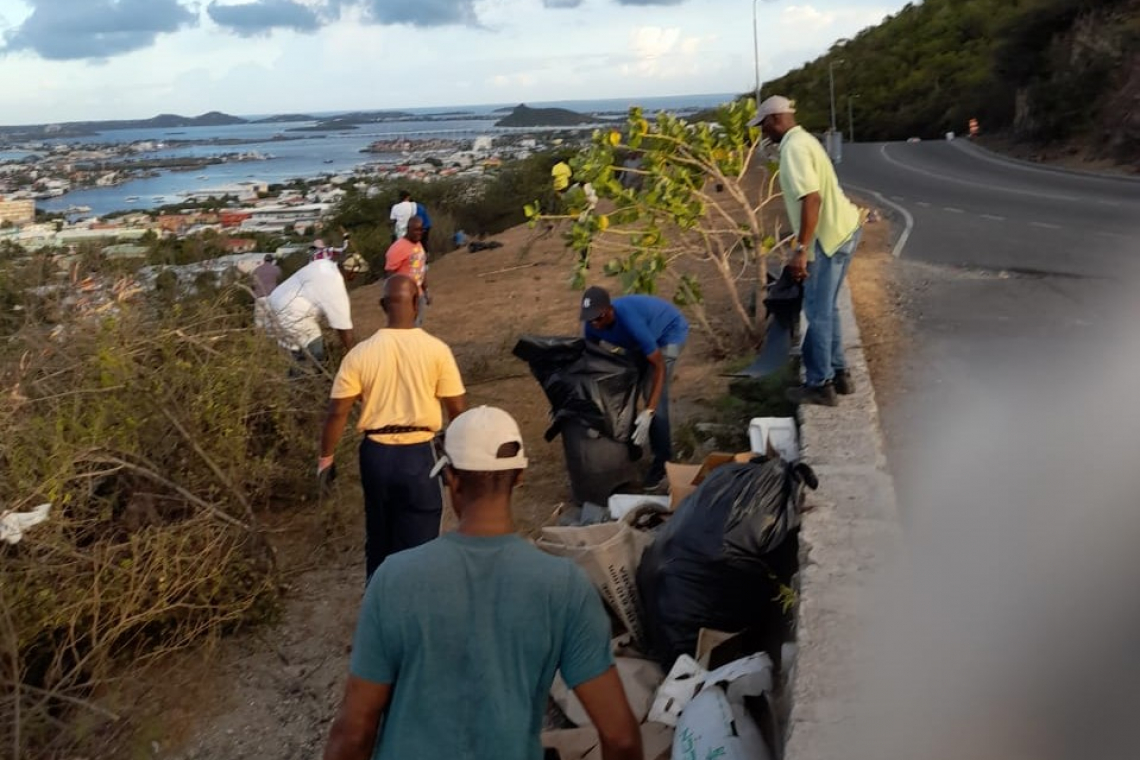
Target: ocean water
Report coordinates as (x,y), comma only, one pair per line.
(313,154)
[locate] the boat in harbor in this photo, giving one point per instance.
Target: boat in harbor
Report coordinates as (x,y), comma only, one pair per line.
(131,198)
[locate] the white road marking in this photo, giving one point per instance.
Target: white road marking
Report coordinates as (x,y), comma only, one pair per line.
(993,217)
(924,204)
(953,210)
(1046,225)
(954,180)
(897,198)
(905,236)
(1109,203)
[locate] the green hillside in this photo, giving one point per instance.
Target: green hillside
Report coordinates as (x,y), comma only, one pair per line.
(1041,71)
(525,116)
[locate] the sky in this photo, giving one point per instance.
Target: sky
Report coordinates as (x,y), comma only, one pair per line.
(69,60)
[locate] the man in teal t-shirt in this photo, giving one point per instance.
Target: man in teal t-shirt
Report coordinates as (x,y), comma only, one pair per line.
(459,639)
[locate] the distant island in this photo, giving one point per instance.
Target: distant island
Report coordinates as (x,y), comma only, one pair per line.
(284,118)
(340,123)
(89,128)
(524,116)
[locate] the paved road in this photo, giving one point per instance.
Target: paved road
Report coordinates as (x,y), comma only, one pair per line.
(1009,269)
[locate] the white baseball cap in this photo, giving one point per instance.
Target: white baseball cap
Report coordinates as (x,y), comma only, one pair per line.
(473,440)
(772,106)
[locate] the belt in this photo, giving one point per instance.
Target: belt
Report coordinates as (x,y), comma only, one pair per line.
(398,429)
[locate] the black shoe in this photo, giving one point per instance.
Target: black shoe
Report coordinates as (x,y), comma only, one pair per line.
(843,383)
(821,395)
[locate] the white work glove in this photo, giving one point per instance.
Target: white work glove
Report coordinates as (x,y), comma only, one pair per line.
(641,428)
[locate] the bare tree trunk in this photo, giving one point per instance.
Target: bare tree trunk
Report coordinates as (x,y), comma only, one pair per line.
(761,291)
(734,296)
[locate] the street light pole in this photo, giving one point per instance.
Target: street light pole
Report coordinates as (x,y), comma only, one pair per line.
(831,71)
(850,119)
(756,47)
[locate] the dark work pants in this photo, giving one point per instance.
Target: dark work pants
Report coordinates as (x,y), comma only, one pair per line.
(660,432)
(402,504)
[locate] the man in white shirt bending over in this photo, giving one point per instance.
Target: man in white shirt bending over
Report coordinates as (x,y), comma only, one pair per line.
(297,305)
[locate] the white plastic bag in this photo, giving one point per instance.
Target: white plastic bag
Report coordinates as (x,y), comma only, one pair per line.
(711,726)
(716,722)
(682,684)
(13,524)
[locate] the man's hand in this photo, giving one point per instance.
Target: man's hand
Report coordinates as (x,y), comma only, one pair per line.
(799,264)
(326,472)
(608,708)
(641,428)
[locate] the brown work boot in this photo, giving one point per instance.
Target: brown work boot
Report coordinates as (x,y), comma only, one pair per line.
(843,383)
(820,395)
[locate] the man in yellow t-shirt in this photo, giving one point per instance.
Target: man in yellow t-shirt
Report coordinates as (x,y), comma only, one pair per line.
(827,228)
(400,375)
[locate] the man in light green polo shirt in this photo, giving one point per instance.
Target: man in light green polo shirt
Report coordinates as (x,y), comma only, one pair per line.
(827,228)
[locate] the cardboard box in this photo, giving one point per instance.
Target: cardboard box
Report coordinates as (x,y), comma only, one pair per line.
(684,478)
(583,744)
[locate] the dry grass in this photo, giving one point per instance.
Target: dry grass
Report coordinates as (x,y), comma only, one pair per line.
(160,436)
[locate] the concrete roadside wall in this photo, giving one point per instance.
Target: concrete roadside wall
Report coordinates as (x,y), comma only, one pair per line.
(850,531)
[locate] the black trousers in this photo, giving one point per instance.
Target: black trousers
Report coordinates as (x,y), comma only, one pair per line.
(402,503)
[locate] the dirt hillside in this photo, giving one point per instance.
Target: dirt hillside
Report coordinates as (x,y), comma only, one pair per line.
(272,693)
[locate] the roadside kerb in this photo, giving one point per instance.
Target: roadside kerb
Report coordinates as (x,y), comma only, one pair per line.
(849,532)
(993,157)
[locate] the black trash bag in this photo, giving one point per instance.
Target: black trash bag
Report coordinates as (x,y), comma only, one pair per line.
(597,466)
(720,561)
(785,298)
(584,382)
(783,302)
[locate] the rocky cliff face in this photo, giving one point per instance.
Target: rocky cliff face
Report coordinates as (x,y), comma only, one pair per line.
(1086,96)
(1118,131)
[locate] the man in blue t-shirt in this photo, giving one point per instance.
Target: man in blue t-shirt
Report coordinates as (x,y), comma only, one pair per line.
(656,330)
(422,213)
(458,639)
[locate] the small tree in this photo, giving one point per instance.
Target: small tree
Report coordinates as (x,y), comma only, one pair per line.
(685,192)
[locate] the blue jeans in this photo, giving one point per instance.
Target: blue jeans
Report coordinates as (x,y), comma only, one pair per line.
(402,503)
(303,364)
(823,342)
(660,433)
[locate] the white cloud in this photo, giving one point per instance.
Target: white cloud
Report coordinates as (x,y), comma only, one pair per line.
(810,19)
(663,53)
(520,51)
